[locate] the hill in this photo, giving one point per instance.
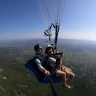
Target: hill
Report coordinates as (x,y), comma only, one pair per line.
(15,80)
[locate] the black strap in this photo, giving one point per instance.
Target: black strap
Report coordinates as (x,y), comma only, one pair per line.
(54,91)
(48,32)
(56,34)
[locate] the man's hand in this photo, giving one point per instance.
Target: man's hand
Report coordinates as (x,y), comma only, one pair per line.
(46,72)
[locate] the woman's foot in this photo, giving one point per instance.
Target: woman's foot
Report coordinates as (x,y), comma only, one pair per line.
(67,86)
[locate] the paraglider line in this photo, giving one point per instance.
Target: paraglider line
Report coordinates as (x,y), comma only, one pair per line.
(47,11)
(63,7)
(54,91)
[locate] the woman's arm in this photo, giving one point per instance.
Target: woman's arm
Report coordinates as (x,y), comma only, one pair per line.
(60,62)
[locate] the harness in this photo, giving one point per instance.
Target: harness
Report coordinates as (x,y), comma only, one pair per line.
(31,63)
(48,33)
(50,63)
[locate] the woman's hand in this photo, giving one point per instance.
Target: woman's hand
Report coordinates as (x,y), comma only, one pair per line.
(62,55)
(56,50)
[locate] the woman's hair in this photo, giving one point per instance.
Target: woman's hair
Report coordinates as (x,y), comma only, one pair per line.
(46,50)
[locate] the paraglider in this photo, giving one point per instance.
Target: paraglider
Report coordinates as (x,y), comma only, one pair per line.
(53,11)
(42,75)
(35,65)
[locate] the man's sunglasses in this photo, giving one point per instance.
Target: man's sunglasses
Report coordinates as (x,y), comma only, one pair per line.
(39,49)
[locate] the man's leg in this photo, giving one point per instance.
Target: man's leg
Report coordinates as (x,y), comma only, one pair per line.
(65,68)
(70,75)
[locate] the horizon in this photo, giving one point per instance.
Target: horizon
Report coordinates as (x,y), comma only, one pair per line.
(27,39)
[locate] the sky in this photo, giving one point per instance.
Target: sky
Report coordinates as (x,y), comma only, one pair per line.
(24,19)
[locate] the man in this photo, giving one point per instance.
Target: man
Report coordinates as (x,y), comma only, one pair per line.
(37,61)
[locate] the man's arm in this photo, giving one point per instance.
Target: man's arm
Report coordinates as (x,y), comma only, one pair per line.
(41,68)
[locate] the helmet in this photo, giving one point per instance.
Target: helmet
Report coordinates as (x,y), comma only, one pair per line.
(37,46)
(47,47)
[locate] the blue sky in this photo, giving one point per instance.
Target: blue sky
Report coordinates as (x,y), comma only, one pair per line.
(22,19)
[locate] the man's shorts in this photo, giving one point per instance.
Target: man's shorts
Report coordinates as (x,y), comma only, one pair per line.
(68,71)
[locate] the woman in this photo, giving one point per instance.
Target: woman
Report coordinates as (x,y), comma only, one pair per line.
(53,64)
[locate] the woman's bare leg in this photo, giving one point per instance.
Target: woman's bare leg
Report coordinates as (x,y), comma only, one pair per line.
(61,74)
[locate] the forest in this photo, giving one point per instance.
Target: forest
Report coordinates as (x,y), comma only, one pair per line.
(16,80)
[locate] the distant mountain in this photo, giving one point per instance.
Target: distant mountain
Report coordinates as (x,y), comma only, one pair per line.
(62,42)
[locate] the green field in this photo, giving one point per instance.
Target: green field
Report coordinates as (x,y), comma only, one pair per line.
(15,80)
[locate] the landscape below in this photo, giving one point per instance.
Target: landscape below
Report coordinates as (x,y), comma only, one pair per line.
(15,80)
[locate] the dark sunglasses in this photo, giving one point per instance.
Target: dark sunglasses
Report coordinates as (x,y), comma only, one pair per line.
(39,49)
